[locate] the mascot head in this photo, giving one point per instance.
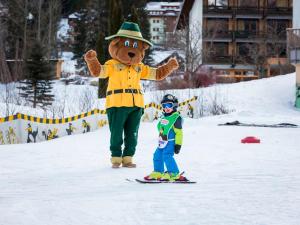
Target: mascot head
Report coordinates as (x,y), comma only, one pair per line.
(128,45)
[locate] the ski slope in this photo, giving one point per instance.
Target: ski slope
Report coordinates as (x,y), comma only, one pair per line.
(68,181)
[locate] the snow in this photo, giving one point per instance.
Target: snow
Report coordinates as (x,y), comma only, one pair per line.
(158,6)
(68,65)
(64,27)
(69,180)
(75,15)
(159,56)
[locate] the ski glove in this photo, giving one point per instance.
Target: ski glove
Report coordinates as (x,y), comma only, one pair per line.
(177,149)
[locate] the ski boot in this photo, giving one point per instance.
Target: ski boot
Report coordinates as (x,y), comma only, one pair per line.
(153,176)
(173,177)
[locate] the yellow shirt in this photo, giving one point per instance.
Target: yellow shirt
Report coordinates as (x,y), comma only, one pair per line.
(124,78)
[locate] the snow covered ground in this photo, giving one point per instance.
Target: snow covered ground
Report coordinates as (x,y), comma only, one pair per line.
(69,180)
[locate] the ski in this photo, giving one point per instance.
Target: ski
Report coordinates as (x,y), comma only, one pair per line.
(163,182)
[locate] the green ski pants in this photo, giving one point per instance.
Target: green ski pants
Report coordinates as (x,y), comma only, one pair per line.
(127,120)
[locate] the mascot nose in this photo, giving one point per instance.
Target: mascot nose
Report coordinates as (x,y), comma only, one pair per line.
(131,54)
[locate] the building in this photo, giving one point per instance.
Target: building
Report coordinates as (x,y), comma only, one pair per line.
(243,39)
(294,47)
(162,18)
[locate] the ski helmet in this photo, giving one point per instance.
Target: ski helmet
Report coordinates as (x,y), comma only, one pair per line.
(170,98)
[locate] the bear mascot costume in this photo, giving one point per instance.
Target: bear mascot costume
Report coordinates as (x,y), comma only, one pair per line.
(124,97)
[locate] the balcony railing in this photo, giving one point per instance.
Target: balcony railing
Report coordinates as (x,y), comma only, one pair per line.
(248,11)
(282,11)
(218,59)
(293,45)
(246,34)
(217,34)
(244,59)
(263,11)
(217,10)
(276,37)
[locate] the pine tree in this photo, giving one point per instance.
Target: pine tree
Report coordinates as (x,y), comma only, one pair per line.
(115,21)
(139,15)
(116,17)
(102,86)
(37,87)
(80,40)
(133,16)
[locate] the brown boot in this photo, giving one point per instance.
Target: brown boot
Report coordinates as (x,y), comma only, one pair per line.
(116,162)
(127,162)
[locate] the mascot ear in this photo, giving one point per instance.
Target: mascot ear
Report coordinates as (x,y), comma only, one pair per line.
(115,41)
(145,46)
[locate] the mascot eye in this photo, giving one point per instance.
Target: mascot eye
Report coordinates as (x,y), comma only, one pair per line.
(135,44)
(127,43)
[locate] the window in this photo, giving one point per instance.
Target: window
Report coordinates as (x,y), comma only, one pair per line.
(153,21)
(218,2)
(246,49)
(248,25)
(276,50)
(277,26)
(220,49)
(243,49)
(248,3)
(278,3)
(216,49)
(282,3)
(272,3)
(217,25)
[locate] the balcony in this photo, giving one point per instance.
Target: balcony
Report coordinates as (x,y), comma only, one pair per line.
(248,36)
(248,12)
(244,59)
(217,11)
(276,37)
(217,59)
(293,45)
(278,13)
(217,36)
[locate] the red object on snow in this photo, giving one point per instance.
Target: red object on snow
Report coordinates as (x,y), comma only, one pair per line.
(250,140)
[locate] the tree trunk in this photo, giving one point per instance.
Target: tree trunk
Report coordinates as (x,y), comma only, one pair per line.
(39,20)
(25,31)
(5,75)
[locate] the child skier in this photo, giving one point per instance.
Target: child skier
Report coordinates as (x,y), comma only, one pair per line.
(170,141)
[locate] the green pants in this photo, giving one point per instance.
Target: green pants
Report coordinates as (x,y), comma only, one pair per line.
(127,120)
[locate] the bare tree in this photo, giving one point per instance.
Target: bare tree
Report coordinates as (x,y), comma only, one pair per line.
(189,41)
(86,101)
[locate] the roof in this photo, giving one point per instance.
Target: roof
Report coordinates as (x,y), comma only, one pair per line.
(184,14)
(160,56)
(162,6)
(75,15)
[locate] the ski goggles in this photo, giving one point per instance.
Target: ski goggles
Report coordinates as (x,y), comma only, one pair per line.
(167,105)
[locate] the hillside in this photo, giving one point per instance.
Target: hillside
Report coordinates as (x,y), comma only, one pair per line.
(69,180)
